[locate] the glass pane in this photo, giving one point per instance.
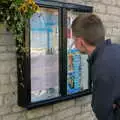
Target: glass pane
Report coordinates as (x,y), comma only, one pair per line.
(77,66)
(44,37)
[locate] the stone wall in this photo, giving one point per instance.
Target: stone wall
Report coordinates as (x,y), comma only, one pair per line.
(76,109)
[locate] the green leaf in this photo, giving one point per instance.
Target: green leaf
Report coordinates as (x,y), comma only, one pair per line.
(18,2)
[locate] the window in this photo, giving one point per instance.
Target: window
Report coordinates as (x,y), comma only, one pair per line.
(54,69)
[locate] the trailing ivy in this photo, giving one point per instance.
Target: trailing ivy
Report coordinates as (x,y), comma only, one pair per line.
(15,13)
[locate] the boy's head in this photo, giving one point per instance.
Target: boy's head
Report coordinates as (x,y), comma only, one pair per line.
(88,31)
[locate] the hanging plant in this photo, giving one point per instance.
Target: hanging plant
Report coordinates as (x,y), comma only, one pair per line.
(15,13)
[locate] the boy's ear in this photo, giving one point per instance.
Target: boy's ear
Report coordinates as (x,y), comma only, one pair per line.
(81,41)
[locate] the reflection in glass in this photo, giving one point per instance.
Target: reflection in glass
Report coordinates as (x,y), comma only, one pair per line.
(77,66)
(44,39)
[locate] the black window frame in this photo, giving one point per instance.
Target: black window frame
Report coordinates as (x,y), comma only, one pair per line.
(24,85)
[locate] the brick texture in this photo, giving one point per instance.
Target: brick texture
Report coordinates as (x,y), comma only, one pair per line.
(76,109)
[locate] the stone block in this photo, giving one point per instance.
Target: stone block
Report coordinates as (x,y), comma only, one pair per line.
(7,88)
(14,116)
(99,8)
(63,105)
(3,49)
(46,118)
(83,100)
(7,66)
(70,118)
(113,10)
(5,110)
(16,108)
(108,17)
(85,116)
(39,112)
(1,100)
(7,56)
(4,79)
(7,39)
(10,99)
(65,113)
(13,76)
(86,108)
(109,2)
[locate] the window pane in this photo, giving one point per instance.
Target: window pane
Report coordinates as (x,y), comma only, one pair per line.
(44,37)
(77,66)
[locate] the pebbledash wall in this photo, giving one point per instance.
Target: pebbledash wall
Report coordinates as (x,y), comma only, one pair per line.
(76,109)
